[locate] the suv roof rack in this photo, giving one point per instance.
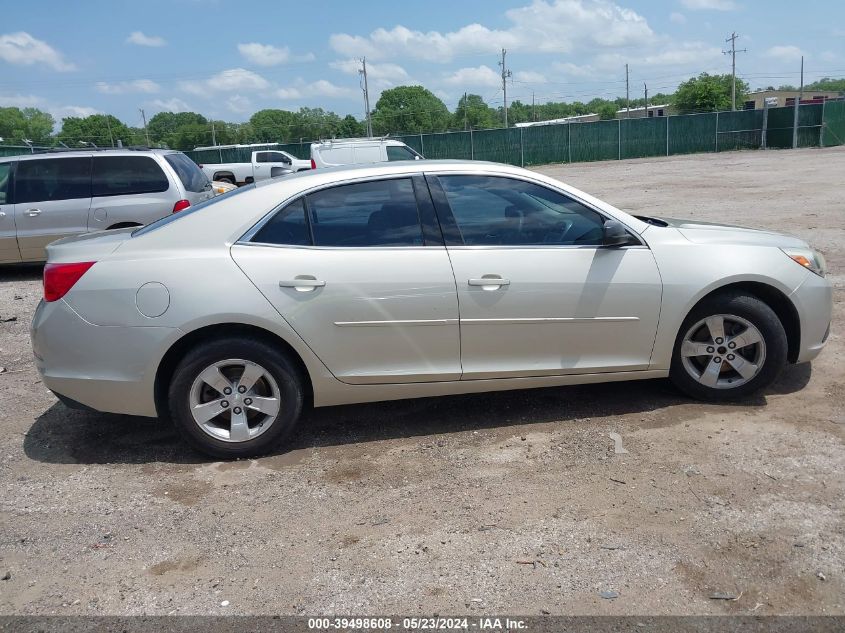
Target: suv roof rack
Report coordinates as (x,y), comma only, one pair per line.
(58,150)
(351,140)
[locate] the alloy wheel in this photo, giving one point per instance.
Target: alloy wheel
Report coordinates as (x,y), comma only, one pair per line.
(234,400)
(723,351)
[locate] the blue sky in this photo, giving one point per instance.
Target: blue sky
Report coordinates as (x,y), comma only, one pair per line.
(227,58)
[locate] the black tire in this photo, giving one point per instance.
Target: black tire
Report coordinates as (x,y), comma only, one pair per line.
(757,313)
(283,371)
(227,179)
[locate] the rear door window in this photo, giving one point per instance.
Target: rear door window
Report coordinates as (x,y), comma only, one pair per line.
(127,175)
(189,173)
(48,179)
(378,213)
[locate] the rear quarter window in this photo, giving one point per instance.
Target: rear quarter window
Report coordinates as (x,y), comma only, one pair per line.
(189,172)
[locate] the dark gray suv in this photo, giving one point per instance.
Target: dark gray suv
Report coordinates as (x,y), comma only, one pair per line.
(45,197)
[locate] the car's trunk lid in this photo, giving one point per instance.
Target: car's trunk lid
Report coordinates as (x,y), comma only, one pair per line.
(88,247)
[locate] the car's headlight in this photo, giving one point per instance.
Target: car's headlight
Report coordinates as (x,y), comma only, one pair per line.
(808,258)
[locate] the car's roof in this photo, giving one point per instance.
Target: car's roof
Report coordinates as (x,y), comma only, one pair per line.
(368,170)
(232,215)
(62,153)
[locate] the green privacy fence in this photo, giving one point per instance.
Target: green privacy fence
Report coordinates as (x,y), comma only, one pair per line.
(818,125)
(638,138)
(833,126)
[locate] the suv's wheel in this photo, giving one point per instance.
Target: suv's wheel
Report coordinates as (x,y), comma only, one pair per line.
(235,398)
(729,346)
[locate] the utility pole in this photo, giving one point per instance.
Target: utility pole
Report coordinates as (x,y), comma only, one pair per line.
(645,88)
(533,108)
(505,75)
(627,94)
(465,111)
(365,87)
(732,53)
(146,132)
(797,105)
(213,134)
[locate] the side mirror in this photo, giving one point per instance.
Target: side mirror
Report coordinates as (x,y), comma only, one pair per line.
(614,233)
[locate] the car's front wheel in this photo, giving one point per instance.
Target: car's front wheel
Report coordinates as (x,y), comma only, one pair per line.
(235,397)
(729,346)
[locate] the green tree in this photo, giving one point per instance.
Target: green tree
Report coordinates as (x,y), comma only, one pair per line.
(103,130)
(164,127)
(707,93)
(827,84)
(409,109)
(350,127)
(473,113)
(30,123)
(272,125)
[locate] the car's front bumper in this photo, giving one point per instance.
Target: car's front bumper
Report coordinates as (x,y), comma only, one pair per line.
(813,300)
(106,368)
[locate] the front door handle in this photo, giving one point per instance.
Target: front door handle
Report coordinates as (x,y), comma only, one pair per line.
(33,213)
(489,282)
(302,283)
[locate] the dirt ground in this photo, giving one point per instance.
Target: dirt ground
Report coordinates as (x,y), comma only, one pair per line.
(499,503)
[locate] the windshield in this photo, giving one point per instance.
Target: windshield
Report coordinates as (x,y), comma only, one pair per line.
(173,217)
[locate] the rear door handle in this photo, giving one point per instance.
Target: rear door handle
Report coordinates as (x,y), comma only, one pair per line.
(489,280)
(303,283)
(33,213)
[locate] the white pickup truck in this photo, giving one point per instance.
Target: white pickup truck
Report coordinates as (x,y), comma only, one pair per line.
(265,164)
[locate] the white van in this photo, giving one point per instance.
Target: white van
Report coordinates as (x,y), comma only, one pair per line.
(359,150)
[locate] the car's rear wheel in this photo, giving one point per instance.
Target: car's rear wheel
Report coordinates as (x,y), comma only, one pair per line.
(728,347)
(228,179)
(235,398)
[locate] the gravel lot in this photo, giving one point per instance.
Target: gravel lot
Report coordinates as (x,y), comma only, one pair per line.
(509,502)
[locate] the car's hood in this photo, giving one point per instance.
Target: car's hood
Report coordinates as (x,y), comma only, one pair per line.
(711,233)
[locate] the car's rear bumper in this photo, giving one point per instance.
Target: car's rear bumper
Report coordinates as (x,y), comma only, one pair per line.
(106,368)
(813,300)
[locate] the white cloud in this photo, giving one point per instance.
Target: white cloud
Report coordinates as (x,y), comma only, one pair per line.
(710,5)
(319,88)
(20,101)
(239,104)
(140,39)
(269,55)
(529,77)
(264,54)
(62,112)
(785,53)
(478,76)
(24,50)
(829,56)
(380,76)
(232,80)
(126,87)
(544,25)
(170,105)
(677,18)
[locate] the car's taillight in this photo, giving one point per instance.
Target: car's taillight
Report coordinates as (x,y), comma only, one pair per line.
(313,164)
(59,278)
(181,205)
